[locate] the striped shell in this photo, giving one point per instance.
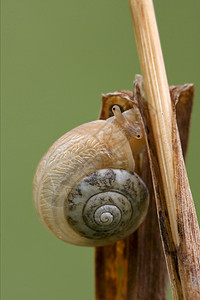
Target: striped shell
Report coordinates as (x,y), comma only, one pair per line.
(85,189)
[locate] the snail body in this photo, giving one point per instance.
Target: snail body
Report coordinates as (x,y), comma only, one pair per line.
(85,189)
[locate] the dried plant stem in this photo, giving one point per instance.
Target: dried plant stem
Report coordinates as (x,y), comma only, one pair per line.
(135,268)
(157,91)
(122,268)
(177,218)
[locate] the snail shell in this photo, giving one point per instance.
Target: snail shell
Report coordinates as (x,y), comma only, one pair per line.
(85,189)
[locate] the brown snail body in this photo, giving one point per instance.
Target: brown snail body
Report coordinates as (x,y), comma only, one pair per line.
(81,176)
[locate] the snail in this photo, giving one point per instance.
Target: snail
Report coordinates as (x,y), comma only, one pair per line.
(85,189)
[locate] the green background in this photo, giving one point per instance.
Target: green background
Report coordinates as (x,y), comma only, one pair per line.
(58,58)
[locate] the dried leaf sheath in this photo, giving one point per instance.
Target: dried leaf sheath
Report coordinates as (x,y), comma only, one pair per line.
(135,268)
(182,260)
(189,248)
(182,98)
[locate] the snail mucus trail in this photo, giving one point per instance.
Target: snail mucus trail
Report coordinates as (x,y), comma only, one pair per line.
(85,189)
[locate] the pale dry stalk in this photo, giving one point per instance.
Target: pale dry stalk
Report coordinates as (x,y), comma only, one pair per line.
(180,230)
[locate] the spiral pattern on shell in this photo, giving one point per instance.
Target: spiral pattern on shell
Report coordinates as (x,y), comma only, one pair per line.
(108,204)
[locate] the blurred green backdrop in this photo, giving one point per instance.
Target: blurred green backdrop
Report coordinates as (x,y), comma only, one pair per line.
(58,58)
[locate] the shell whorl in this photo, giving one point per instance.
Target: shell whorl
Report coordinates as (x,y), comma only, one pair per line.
(107,205)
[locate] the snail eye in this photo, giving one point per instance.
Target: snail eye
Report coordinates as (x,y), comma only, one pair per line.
(112,108)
